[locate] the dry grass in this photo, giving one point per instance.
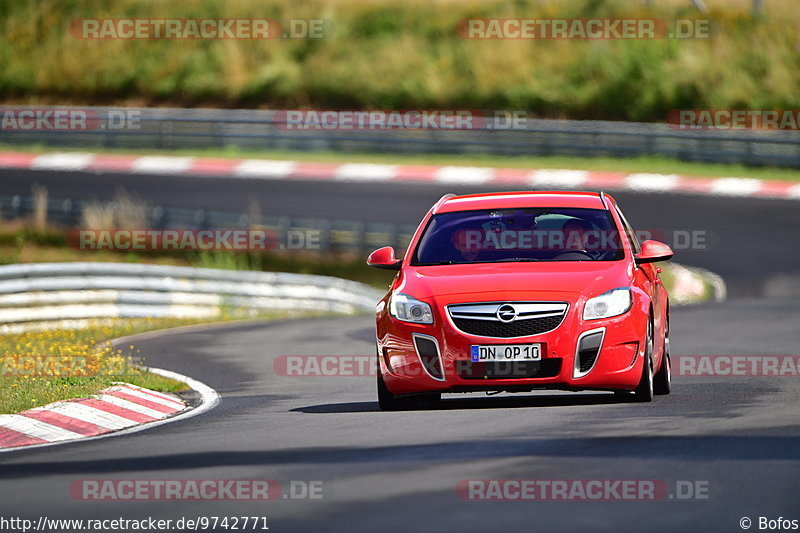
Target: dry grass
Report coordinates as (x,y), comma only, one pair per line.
(39,207)
(124,211)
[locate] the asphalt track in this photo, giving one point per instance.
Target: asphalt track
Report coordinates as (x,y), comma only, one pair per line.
(397,471)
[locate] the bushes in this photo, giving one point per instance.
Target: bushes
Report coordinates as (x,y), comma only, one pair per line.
(386,54)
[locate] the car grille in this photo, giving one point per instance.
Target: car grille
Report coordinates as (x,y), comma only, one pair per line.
(530,318)
(505,330)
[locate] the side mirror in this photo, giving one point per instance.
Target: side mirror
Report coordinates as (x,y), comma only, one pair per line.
(653,251)
(384,258)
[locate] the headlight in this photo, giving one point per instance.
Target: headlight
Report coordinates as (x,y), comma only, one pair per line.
(612,303)
(404,307)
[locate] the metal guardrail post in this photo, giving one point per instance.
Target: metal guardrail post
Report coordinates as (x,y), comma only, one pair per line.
(200,219)
(325,230)
(16,203)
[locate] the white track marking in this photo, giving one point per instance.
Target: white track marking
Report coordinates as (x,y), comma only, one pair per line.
(36,428)
(92,415)
(465,175)
(264,168)
(794,192)
(131,406)
(365,172)
(558,177)
(149,396)
(62,161)
(652,182)
(157,164)
(735,186)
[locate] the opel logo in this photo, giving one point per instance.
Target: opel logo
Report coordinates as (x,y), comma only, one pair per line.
(506,313)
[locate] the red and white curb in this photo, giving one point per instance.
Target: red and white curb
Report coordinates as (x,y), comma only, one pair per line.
(120,409)
(366,172)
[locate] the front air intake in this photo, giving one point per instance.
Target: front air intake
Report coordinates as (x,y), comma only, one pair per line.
(588,349)
(428,353)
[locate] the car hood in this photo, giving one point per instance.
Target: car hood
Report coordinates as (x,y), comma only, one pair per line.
(511,280)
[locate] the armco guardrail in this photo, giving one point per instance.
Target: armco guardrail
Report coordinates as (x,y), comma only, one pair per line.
(40,293)
(245,128)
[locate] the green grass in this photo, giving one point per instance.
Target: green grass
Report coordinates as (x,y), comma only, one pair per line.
(97,364)
(93,365)
(655,165)
(389,54)
(20,394)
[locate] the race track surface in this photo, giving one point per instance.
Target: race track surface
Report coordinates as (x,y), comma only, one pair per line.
(398,471)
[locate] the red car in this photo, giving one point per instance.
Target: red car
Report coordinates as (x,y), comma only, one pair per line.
(518,291)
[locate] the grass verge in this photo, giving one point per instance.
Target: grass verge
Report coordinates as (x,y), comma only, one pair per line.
(38,368)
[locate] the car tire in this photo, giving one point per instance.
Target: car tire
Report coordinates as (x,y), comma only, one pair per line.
(388,401)
(662,383)
(644,391)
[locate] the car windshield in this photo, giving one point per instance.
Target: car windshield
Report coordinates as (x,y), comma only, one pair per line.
(519,235)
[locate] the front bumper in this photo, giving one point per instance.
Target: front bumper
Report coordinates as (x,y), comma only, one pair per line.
(617,366)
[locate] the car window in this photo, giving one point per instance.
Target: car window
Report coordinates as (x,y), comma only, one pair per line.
(519,234)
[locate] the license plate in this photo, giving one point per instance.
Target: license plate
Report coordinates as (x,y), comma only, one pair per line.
(506,352)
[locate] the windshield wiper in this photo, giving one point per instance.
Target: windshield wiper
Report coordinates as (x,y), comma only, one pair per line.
(442,262)
(517,259)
